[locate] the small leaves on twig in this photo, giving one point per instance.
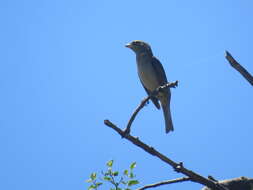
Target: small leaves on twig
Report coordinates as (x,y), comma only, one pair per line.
(133,165)
(109,163)
(123,182)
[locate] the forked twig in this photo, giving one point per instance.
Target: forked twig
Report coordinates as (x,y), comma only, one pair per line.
(144,101)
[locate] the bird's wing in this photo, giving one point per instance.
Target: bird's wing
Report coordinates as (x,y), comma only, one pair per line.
(160,73)
(154,99)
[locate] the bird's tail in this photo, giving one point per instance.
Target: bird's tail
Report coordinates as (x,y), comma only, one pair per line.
(167,116)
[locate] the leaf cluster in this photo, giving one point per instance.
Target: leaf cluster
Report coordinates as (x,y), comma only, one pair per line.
(118,181)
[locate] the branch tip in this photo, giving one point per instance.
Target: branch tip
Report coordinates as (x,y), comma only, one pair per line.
(239,67)
(165,183)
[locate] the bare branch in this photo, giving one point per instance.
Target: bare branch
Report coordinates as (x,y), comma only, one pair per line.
(182,179)
(177,166)
(210,182)
(239,68)
(144,101)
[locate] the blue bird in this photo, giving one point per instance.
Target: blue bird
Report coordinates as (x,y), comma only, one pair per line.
(152,75)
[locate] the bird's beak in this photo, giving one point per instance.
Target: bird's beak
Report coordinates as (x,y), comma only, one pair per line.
(128,45)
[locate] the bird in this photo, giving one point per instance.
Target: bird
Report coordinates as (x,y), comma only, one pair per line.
(152,75)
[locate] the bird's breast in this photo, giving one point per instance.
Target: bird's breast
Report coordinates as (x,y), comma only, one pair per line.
(147,74)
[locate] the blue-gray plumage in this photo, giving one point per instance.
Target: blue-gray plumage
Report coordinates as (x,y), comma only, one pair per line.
(152,75)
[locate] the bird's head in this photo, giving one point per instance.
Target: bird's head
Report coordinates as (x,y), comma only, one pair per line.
(139,46)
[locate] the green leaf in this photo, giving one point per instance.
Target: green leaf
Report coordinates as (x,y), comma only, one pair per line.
(107,178)
(88,180)
(125,172)
(93,176)
(115,173)
(131,175)
(98,184)
(91,187)
(133,182)
(133,165)
(110,163)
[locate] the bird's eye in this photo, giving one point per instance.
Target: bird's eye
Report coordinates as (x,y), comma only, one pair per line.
(136,43)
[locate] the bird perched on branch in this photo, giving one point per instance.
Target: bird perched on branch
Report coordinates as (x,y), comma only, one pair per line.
(152,75)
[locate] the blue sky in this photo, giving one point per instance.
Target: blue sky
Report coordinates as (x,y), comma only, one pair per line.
(64,69)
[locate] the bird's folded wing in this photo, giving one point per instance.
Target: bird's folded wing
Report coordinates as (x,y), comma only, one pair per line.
(160,73)
(154,99)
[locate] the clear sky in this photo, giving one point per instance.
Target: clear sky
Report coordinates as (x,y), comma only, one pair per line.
(64,69)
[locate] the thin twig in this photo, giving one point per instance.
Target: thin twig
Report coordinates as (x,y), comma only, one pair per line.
(177,166)
(144,101)
(239,68)
(182,179)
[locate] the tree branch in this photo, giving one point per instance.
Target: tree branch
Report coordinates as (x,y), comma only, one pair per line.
(210,182)
(239,68)
(142,104)
(177,166)
(182,179)
(240,183)
(144,101)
